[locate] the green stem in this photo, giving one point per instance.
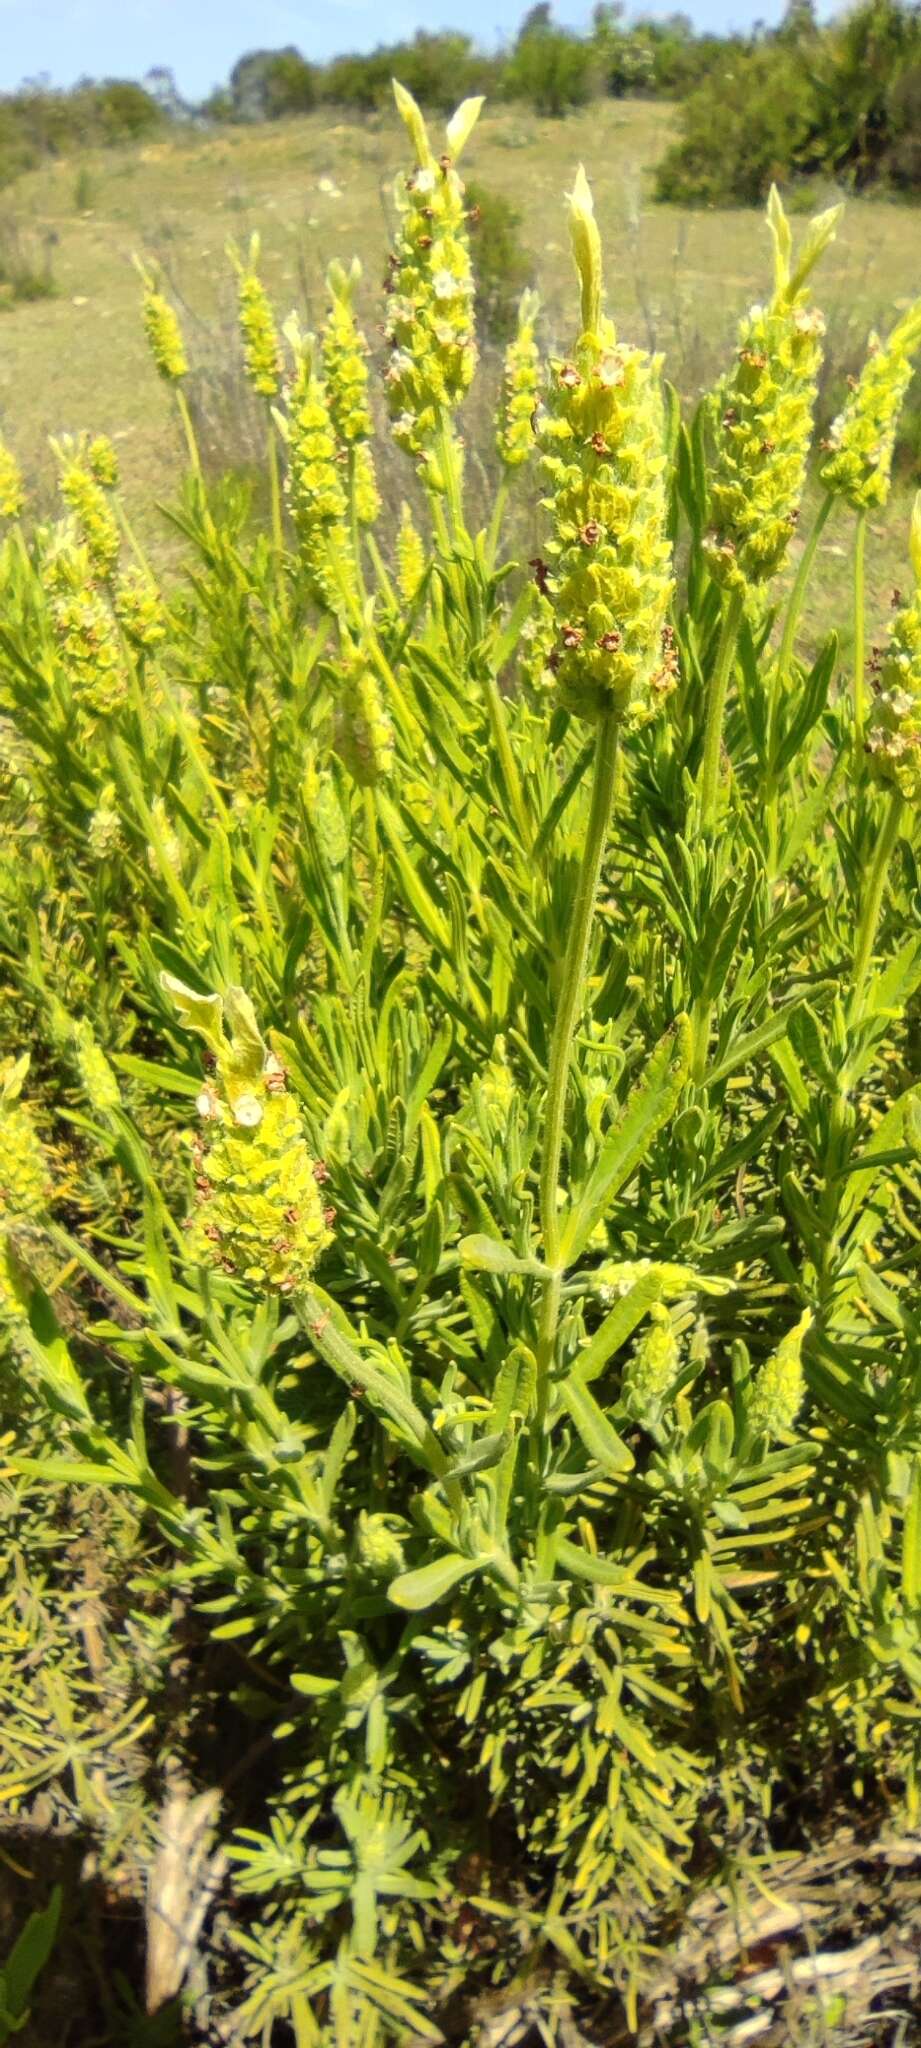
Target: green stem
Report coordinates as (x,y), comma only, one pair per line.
(495,524)
(795,603)
(716,706)
(498,722)
(873,898)
(189,432)
(860,701)
(354,523)
(375,906)
(278,530)
(569,1008)
(447,457)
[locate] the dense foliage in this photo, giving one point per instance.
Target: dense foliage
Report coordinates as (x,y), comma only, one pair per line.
(37,122)
(460,1119)
(840,102)
(802,102)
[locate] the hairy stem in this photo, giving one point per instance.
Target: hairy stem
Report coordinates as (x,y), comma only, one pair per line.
(716,706)
(569,1008)
(873,897)
(795,601)
(860,696)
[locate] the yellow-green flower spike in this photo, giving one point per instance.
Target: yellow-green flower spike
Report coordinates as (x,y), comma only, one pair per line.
(316,481)
(861,440)
(430,323)
(602,440)
(85,632)
(96,1077)
(520,383)
(367,495)
(762,414)
(86,499)
(139,609)
(102,462)
(777,1395)
(378,1547)
(104,831)
(652,1370)
(258,331)
(164,334)
(410,556)
(259,1215)
(12,489)
(363,733)
(344,352)
(25,1180)
(894,725)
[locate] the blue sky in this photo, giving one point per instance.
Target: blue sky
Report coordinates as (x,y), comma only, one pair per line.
(200,39)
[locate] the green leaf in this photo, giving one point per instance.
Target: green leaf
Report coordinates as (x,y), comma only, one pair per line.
(598,1435)
(617,1327)
(911,1542)
(27,1959)
(647,1109)
(432,1582)
(486,1255)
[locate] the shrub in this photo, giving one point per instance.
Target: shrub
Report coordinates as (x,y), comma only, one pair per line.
(748,124)
(38,122)
(457,1224)
(502,267)
(25,263)
(549,66)
(836,102)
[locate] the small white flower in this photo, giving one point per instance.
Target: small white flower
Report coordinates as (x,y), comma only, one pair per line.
(445,285)
(247,1110)
(424,181)
(207,1104)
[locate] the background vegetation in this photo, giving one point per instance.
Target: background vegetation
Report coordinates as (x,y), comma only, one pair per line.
(840,100)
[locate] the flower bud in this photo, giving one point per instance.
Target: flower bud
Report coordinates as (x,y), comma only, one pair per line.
(96,1077)
(894,725)
(430,325)
(85,632)
(862,438)
(777,1394)
(139,610)
(316,481)
(258,332)
(25,1180)
(260,1214)
(164,334)
(12,490)
(363,733)
(608,579)
(104,833)
(515,435)
(87,501)
(652,1370)
(102,461)
(410,556)
(378,1547)
(762,413)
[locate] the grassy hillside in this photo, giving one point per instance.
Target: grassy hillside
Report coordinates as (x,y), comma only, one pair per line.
(315,191)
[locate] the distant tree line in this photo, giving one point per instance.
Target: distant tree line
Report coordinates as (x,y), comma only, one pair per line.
(839,101)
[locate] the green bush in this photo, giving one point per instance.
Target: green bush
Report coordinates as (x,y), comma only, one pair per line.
(460,1126)
(550,67)
(502,266)
(35,123)
(838,102)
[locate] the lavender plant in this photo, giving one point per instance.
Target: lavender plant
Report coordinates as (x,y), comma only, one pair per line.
(469,1226)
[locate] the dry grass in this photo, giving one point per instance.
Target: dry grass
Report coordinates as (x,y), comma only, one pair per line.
(678,279)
